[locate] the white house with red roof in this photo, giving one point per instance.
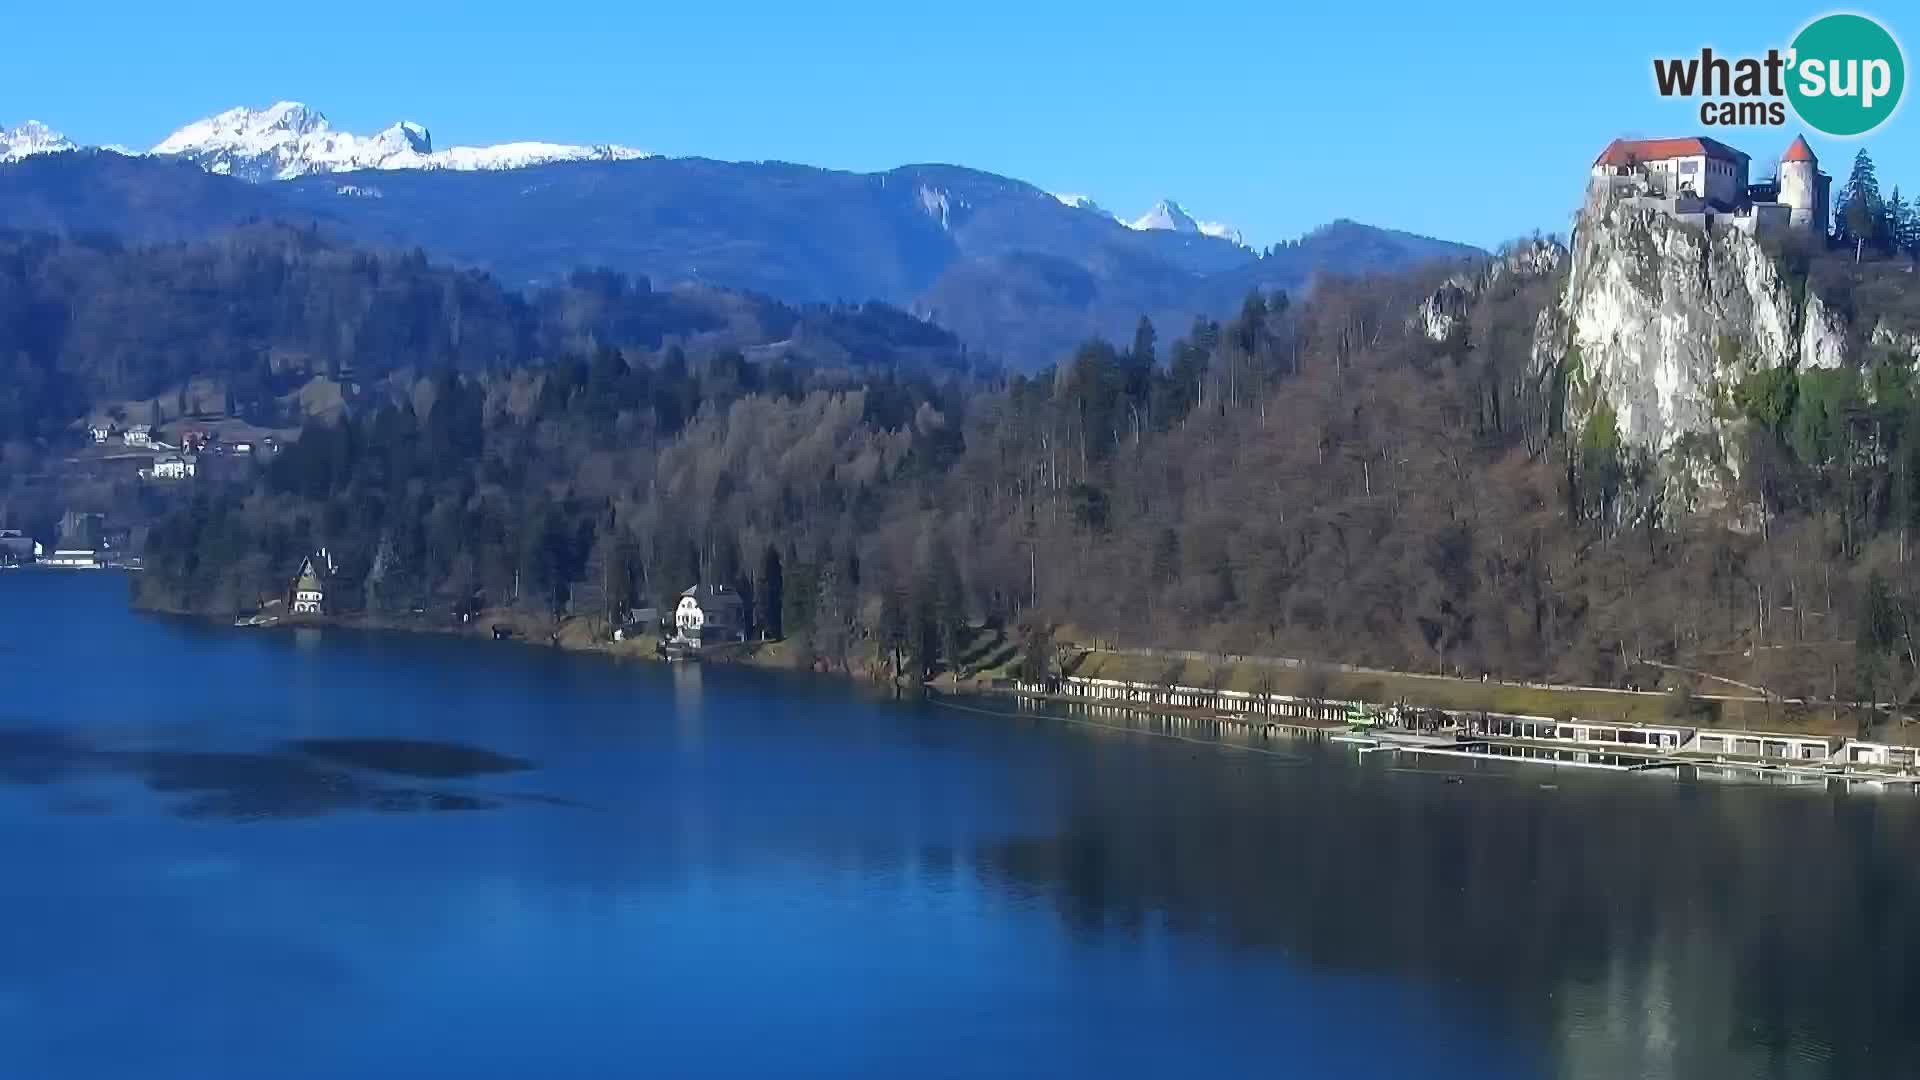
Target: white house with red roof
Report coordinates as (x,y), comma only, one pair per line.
(1702,168)
(1704,181)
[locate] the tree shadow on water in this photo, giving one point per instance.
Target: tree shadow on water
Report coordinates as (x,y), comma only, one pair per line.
(411,757)
(304,779)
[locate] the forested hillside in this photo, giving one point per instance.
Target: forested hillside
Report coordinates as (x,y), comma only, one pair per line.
(263,308)
(1313,478)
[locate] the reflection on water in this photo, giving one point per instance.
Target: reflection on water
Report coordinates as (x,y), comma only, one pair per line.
(778,875)
(1641,926)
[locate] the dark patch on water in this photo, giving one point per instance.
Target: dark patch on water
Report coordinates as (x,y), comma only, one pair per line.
(552,800)
(38,757)
(81,806)
(254,804)
(412,757)
(304,780)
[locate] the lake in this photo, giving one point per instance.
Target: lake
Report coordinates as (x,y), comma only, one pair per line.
(312,853)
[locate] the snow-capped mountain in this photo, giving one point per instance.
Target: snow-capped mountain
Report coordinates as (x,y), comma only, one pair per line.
(289,140)
(1083,202)
(30,138)
(1166,215)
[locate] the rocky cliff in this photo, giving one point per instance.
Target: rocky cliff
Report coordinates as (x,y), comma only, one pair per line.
(1665,319)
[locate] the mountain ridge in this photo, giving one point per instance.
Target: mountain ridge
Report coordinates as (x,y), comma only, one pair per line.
(288,140)
(29,138)
(1015,271)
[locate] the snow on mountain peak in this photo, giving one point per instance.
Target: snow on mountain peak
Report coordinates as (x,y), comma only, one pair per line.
(1166,215)
(30,138)
(1083,202)
(1222,231)
(288,140)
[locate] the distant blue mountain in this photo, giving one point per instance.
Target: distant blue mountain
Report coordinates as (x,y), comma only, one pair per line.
(1009,267)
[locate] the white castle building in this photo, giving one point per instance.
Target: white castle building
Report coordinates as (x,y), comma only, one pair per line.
(1705,182)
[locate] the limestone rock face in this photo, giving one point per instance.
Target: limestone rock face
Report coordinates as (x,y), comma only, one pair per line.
(1664,319)
(1823,336)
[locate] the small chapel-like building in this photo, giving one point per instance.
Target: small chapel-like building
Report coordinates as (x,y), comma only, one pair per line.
(310,585)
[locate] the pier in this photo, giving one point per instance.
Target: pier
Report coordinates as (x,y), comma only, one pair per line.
(1797,758)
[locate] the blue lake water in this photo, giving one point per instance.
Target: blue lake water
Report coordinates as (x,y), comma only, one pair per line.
(333,854)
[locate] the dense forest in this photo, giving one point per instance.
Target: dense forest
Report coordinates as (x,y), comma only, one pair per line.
(267,307)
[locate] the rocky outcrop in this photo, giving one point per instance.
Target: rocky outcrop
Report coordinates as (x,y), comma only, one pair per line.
(1665,318)
(1447,307)
(1888,341)
(1664,322)
(1445,310)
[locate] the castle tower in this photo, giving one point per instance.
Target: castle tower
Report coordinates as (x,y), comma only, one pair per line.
(1803,187)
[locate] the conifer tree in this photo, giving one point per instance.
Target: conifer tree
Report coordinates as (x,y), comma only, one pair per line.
(1861,211)
(1903,225)
(1144,341)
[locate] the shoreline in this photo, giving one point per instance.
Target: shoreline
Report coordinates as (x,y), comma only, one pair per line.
(568,637)
(1210,721)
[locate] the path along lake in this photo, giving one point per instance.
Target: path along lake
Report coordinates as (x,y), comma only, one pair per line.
(302,854)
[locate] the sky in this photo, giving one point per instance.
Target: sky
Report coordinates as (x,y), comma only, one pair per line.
(1472,122)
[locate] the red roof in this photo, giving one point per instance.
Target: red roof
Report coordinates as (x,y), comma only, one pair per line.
(1799,151)
(1632,151)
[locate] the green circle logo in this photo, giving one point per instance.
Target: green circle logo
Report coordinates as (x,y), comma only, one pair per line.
(1848,73)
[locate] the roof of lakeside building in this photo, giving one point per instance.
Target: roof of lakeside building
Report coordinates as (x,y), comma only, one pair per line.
(1630,151)
(708,594)
(309,579)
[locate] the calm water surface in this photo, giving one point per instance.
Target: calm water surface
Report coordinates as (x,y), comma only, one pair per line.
(306,854)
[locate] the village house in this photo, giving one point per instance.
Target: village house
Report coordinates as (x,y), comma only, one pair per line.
(100,432)
(709,615)
(72,559)
(137,435)
(174,467)
(309,586)
(1705,182)
(636,622)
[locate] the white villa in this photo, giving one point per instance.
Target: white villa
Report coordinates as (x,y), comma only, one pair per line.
(138,435)
(309,588)
(1706,182)
(709,615)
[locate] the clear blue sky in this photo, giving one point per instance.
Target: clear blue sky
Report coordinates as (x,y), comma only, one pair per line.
(1473,122)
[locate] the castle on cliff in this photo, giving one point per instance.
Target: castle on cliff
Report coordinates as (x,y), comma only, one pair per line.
(1705,182)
